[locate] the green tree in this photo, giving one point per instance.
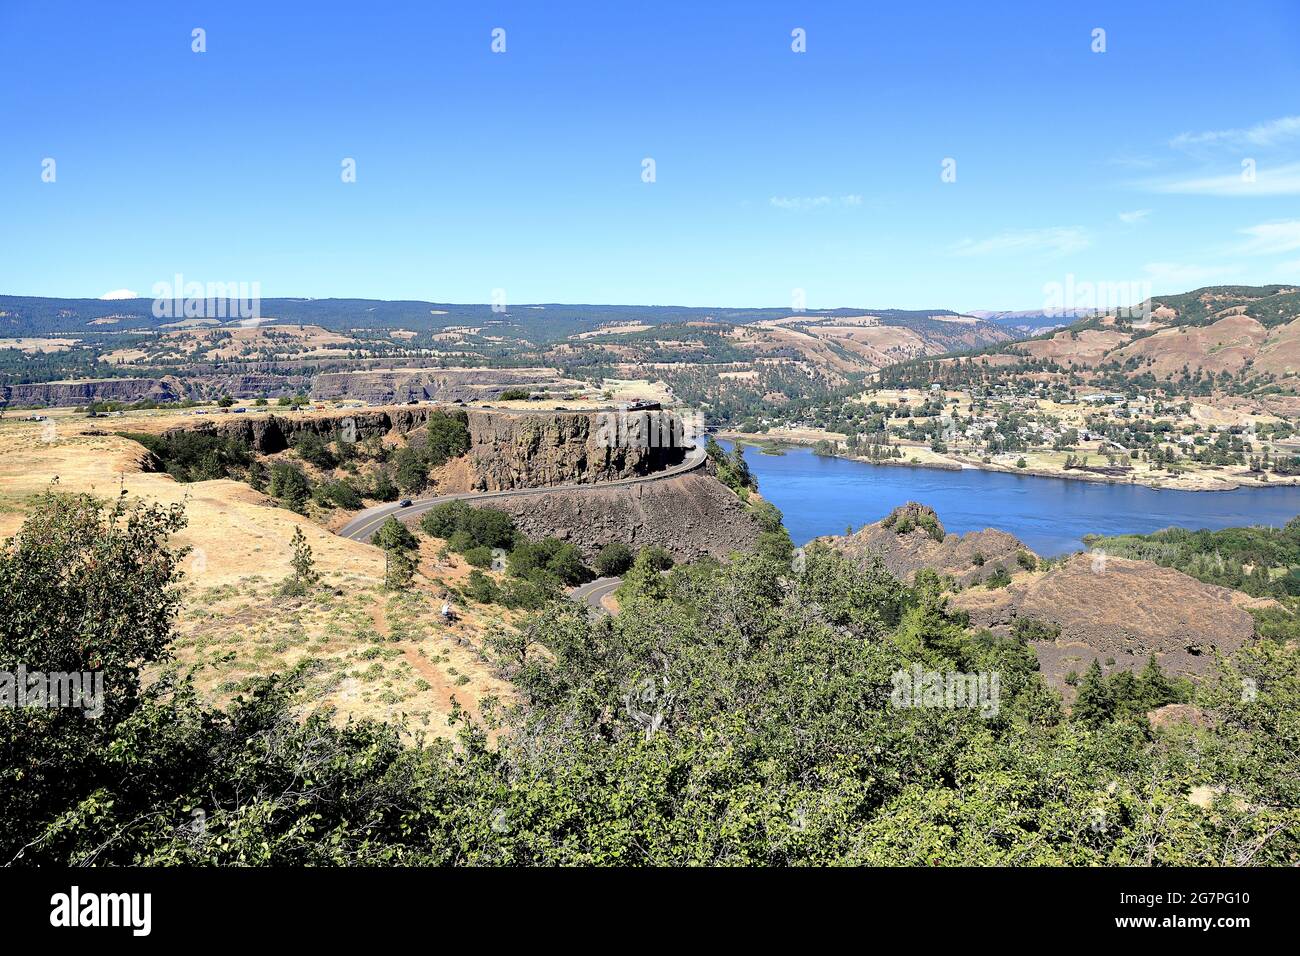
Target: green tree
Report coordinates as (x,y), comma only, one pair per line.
(399,569)
(304,575)
(412,471)
(1095,703)
(290,485)
(613,559)
(448,436)
(394,536)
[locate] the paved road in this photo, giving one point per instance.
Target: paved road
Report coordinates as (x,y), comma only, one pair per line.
(593,592)
(368,522)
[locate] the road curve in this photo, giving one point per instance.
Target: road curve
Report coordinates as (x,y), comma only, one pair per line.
(594,592)
(367,522)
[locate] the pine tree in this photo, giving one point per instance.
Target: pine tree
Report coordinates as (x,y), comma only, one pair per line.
(399,569)
(1155,688)
(393,535)
(1095,704)
(304,567)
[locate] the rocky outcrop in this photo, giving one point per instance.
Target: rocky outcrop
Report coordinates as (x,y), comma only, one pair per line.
(532,451)
(1118,612)
(439,385)
(269,434)
(507,450)
(253,385)
(1112,610)
(86,391)
(911,537)
(690,516)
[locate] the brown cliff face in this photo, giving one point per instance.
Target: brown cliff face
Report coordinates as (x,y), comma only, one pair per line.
(912,537)
(84,392)
(506,450)
(689,516)
(533,451)
(440,385)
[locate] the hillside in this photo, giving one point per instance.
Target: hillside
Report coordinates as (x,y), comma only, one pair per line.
(1099,607)
(731,361)
(1220,341)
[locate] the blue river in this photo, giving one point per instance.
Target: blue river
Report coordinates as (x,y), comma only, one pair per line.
(820,496)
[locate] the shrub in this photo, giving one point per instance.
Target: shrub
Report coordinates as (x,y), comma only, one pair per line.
(481,588)
(312,449)
(448,436)
(998,579)
(342,494)
(290,485)
(465,527)
(614,559)
(1028,629)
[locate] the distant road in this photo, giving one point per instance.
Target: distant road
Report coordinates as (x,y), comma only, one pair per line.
(368,522)
(593,592)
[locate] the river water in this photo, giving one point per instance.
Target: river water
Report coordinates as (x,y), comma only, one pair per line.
(821,495)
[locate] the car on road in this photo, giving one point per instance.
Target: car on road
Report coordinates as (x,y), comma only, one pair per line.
(404,503)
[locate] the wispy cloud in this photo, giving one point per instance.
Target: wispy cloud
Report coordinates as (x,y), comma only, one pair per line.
(120,294)
(1270,238)
(804,203)
(1264,135)
(1056,240)
(1134,216)
(1269,181)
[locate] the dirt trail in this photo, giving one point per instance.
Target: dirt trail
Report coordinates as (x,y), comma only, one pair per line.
(441,688)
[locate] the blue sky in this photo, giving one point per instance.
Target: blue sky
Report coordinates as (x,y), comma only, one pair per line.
(774,170)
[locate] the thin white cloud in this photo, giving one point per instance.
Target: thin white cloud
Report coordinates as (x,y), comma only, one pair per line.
(804,203)
(1268,181)
(1134,216)
(1292,267)
(1262,135)
(1270,238)
(1056,240)
(120,294)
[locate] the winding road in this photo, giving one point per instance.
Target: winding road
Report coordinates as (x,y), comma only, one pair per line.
(594,592)
(367,522)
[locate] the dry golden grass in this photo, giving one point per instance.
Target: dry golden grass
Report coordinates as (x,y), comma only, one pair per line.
(371,653)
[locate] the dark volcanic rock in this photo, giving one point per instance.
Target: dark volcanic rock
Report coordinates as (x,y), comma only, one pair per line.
(86,391)
(1108,609)
(507,450)
(1120,610)
(439,385)
(911,537)
(689,516)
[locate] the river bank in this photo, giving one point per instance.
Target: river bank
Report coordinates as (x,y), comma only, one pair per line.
(1210,478)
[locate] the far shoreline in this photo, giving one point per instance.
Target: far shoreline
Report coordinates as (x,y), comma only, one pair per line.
(1224,485)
